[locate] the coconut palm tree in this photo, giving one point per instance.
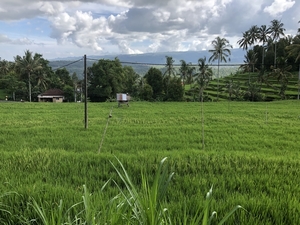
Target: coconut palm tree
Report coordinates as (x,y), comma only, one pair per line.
(245,41)
(5,67)
(190,73)
(42,80)
(170,67)
(183,71)
(169,71)
(203,77)
(220,52)
(263,36)
(249,62)
(28,64)
(276,30)
(253,34)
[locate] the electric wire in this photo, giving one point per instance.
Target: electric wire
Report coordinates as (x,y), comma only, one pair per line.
(68,64)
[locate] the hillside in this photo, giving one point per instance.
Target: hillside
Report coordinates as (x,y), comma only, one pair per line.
(269,92)
(142,62)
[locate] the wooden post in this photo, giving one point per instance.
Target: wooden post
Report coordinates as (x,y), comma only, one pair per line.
(85,95)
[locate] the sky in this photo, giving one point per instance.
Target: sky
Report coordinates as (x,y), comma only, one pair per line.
(59,29)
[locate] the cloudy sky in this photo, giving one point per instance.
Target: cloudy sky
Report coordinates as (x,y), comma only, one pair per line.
(99,27)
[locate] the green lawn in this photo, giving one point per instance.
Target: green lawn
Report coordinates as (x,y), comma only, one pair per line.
(251,155)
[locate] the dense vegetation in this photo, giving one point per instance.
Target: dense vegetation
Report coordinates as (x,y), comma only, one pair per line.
(271,61)
(251,158)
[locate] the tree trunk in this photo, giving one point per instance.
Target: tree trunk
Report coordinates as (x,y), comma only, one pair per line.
(263,58)
(218,78)
(202,122)
(275,56)
(299,83)
(29,87)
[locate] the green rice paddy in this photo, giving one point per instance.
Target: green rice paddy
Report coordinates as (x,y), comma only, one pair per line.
(251,155)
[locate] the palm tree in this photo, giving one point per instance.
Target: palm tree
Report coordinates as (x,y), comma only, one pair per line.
(245,41)
(190,73)
(263,36)
(42,80)
(28,64)
(293,50)
(169,71)
(249,62)
(220,53)
(202,80)
(203,77)
(170,67)
(5,67)
(183,71)
(253,33)
(276,30)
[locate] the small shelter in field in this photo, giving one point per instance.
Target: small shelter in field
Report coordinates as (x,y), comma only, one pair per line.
(123,99)
(51,95)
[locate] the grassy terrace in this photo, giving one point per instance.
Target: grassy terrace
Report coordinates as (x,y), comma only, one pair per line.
(269,92)
(251,156)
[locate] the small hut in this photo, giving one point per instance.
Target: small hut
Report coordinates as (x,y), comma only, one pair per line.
(52,95)
(123,99)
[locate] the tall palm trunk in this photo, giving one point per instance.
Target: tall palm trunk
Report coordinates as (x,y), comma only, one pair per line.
(275,56)
(263,57)
(202,122)
(218,78)
(29,87)
(299,83)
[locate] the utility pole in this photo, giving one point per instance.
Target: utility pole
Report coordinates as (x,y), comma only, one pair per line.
(85,95)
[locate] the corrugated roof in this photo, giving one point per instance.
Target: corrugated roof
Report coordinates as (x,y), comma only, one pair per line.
(53,92)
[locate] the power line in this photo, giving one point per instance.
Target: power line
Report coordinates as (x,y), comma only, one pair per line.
(163,64)
(68,64)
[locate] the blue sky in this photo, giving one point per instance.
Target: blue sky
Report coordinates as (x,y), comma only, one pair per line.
(98,27)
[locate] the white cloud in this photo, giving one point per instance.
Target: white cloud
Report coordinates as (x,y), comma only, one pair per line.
(278,7)
(4,39)
(136,26)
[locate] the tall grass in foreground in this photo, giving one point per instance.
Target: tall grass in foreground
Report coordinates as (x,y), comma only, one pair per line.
(145,205)
(4,209)
(46,154)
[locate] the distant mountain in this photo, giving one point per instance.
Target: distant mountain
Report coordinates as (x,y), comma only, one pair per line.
(142,62)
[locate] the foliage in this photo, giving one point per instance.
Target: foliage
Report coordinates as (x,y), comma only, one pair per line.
(105,80)
(154,78)
(130,80)
(146,92)
(249,62)
(253,92)
(220,52)
(28,64)
(234,90)
(170,69)
(203,77)
(175,90)
(282,75)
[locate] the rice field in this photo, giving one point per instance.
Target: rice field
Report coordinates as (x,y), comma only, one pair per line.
(251,156)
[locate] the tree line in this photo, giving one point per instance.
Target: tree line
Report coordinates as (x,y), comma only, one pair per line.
(30,75)
(268,53)
(272,55)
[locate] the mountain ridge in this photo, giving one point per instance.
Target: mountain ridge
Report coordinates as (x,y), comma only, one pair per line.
(142,62)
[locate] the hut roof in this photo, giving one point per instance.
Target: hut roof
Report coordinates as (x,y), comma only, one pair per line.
(53,92)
